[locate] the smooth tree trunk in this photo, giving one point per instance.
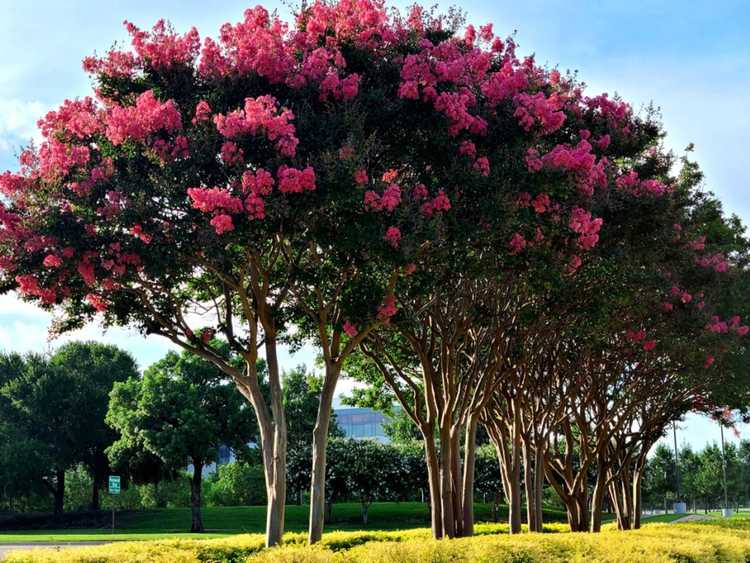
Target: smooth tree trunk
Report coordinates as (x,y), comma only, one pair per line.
(528,481)
(597,498)
(457,480)
(446,485)
(433,477)
(273,437)
(276,466)
(539,488)
(196,484)
(319,445)
(467,494)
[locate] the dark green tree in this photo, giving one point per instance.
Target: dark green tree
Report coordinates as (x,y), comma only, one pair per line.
(58,405)
(182,411)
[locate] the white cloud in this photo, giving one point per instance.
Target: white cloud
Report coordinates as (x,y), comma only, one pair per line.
(18,122)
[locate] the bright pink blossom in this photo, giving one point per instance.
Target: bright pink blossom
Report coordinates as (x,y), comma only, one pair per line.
(261,116)
(222,224)
(209,200)
(137,122)
(294,181)
(517,243)
(587,228)
(350,329)
(202,112)
(387,309)
(393,236)
(649,345)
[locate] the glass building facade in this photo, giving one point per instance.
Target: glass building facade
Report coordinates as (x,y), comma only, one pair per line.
(362,423)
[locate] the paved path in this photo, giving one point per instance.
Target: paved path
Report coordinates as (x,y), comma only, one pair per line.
(6,547)
(692,518)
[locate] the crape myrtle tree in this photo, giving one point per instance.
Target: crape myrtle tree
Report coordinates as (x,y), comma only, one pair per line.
(279,172)
(181,411)
(316,175)
(449,342)
(629,363)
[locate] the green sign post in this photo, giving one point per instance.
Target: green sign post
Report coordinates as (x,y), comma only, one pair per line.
(114,489)
(114,484)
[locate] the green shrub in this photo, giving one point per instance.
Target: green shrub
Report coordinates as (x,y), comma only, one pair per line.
(236,484)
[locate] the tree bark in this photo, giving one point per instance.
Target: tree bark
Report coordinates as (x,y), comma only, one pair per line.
(276,485)
(637,480)
(433,476)
(196,484)
(446,485)
(528,481)
(320,442)
(539,487)
(467,493)
(273,436)
(597,498)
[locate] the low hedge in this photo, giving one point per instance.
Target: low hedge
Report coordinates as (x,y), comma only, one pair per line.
(693,542)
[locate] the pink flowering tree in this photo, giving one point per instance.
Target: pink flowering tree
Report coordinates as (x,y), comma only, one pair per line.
(333,179)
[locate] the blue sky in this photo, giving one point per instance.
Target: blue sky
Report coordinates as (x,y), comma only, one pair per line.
(691,59)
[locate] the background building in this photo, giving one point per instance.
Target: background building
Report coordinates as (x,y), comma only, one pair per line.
(362,423)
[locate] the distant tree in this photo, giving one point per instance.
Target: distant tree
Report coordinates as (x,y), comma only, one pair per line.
(487,483)
(182,411)
(301,402)
(237,484)
(97,366)
(373,472)
(709,476)
(660,480)
(58,405)
(689,464)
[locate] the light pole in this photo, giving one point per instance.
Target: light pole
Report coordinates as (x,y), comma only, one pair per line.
(679,506)
(726,511)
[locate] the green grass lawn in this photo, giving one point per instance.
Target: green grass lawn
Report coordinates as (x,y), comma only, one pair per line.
(224,521)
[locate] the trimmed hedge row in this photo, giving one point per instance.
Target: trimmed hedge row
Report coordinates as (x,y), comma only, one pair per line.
(654,542)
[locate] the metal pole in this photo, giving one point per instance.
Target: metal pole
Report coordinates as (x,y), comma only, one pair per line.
(676,461)
(724,467)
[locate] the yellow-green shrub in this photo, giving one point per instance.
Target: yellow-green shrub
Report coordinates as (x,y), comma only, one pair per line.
(695,542)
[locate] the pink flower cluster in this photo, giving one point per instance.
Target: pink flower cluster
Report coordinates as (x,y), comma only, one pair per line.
(716,325)
(209,200)
(587,228)
(633,184)
(28,285)
(294,181)
(387,309)
(541,203)
(261,116)
(163,48)
(255,45)
(717,262)
(640,336)
(137,122)
(339,89)
(538,109)
(578,160)
(77,119)
(390,199)
(57,159)
(393,236)
(437,204)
